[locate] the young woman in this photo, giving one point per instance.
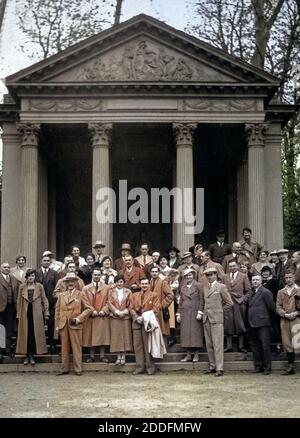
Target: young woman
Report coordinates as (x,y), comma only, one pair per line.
(32,314)
(107,272)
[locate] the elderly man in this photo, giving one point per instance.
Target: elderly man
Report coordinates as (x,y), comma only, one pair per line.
(61,285)
(237,254)
(132,274)
(288,308)
(9,287)
(216,301)
(250,247)
(238,286)
(261,307)
(72,308)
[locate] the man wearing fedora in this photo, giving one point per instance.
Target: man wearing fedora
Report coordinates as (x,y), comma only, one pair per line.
(72,308)
(99,256)
(219,249)
(126,250)
(217,300)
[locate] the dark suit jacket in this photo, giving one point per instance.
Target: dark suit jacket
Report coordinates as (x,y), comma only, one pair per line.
(3,291)
(217,253)
(49,282)
(260,308)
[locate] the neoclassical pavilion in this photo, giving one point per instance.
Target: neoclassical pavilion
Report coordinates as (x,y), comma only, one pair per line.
(145,103)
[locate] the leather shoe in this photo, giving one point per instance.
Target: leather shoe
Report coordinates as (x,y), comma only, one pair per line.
(228,350)
(196,357)
(104,359)
(136,372)
(26,361)
(258,370)
(187,358)
(122,361)
(242,350)
(219,373)
(289,371)
(62,373)
(90,360)
(31,360)
(266,372)
(209,371)
(118,362)
(78,373)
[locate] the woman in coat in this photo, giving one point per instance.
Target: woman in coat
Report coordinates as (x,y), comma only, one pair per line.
(32,314)
(119,299)
(189,316)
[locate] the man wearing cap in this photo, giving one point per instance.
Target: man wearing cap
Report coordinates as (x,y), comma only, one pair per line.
(236,254)
(288,308)
(174,259)
(48,278)
(99,247)
(187,263)
(217,300)
(219,249)
(144,259)
(72,308)
(250,247)
(281,267)
(55,264)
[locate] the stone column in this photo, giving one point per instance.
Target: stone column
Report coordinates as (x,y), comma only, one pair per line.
(184,179)
(29,192)
(11,184)
(52,218)
(256,180)
(100,135)
(273,185)
(242,195)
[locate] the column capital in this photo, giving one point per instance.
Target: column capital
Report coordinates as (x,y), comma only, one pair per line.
(100,134)
(30,134)
(256,133)
(184,133)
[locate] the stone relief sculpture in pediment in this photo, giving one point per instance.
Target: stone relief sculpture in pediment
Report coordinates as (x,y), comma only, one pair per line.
(146,61)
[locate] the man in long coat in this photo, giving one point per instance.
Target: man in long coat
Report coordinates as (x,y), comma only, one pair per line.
(9,287)
(166,297)
(72,308)
(288,308)
(250,247)
(238,286)
(216,301)
(132,274)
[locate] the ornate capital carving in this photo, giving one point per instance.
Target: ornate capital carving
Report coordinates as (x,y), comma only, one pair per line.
(256,133)
(184,133)
(30,134)
(100,134)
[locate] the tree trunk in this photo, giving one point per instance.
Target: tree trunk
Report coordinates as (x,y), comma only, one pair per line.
(118,11)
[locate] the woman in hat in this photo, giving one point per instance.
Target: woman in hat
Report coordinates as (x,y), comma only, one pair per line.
(189,316)
(85,272)
(174,259)
(20,269)
(119,299)
(108,274)
(32,314)
(262,261)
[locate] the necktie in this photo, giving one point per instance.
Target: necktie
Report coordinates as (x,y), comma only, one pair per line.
(144,260)
(7,279)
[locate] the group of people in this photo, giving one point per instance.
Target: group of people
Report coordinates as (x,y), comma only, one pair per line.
(135,303)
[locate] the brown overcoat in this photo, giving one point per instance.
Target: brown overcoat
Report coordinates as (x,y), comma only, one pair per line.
(120,328)
(96,330)
(132,277)
(40,309)
(191,330)
(166,297)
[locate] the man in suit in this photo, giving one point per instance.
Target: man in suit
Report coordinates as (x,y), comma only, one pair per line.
(54,264)
(9,287)
(144,258)
(48,278)
(281,267)
(99,256)
(216,301)
(208,263)
(61,285)
(238,286)
(260,307)
(250,247)
(236,254)
(126,250)
(288,308)
(219,249)
(72,308)
(132,274)
(155,260)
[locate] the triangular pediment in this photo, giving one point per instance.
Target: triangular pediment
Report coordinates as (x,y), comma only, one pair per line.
(141,49)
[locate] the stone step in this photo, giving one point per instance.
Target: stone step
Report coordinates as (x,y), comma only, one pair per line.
(241,366)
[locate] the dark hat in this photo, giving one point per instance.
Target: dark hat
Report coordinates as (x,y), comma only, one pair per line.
(173,248)
(220,233)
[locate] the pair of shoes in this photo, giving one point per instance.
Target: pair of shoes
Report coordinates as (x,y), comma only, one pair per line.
(209,371)
(187,358)
(31,360)
(104,359)
(136,372)
(242,350)
(258,370)
(62,373)
(90,360)
(196,357)
(219,373)
(266,372)
(228,350)
(78,373)
(289,371)
(26,361)
(118,362)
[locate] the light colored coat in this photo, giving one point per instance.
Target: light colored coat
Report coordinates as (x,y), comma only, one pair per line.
(156,345)
(61,286)
(216,300)
(40,309)
(69,306)
(166,296)
(191,329)
(287,304)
